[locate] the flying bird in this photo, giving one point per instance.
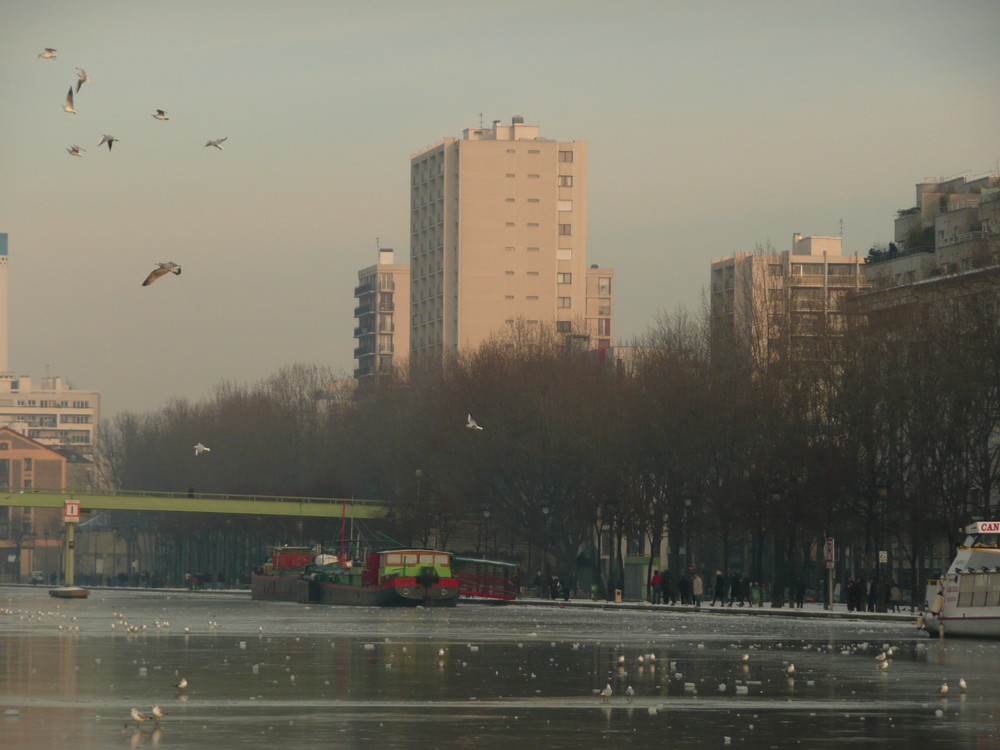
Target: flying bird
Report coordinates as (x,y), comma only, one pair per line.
(199,448)
(47,54)
(471,423)
(109,139)
(75,151)
(68,106)
(156,273)
(161,115)
(217,142)
(83,78)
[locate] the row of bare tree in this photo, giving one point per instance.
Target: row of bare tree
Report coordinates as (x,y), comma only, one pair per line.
(883,432)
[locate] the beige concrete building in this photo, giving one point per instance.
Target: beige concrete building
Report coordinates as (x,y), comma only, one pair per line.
(383,329)
(952,229)
(789,298)
(499,233)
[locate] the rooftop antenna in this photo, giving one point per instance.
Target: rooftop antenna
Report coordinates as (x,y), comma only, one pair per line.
(842,228)
(480,120)
(378,245)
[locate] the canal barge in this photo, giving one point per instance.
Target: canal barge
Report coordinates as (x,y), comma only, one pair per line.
(387,578)
(965,601)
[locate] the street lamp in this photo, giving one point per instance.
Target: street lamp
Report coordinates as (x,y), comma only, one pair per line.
(486,530)
(777,586)
(882,485)
(688,497)
(545,536)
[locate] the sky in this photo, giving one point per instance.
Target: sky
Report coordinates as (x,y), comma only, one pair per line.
(712,127)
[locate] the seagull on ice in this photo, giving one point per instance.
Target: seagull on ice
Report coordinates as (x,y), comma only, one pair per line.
(161,115)
(109,139)
(182,684)
(629,693)
(217,142)
(68,106)
(158,713)
(199,448)
(139,717)
(156,273)
(606,693)
(791,670)
(471,423)
(75,151)
(47,54)
(943,690)
(83,78)
(962,685)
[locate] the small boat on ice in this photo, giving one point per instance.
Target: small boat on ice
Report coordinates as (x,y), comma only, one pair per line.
(965,601)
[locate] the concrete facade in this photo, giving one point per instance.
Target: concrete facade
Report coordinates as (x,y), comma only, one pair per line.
(499,233)
(383,328)
(763,300)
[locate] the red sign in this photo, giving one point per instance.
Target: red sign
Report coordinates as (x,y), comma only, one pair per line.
(690,567)
(71,511)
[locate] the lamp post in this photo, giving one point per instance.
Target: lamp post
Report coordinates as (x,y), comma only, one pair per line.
(882,491)
(687,496)
(486,530)
(418,474)
(545,537)
(777,585)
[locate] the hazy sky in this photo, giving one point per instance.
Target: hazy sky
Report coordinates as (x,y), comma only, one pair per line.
(711,126)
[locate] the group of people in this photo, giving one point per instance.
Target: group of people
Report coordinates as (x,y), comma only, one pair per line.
(553,587)
(862,596)
(690,589)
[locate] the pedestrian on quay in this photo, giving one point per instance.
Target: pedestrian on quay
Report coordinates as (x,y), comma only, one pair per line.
(539,585)
(745,590)
(667,586)
(684,588)
(566,585)
(553,586)
(800,592)
(655,583)
(735,589)
(719,591)
(697,589)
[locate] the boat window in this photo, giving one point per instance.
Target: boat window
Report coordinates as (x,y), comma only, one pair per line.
(442,559)
(393,558)
(410,558)
(427,558)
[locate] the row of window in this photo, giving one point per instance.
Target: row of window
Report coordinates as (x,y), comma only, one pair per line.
(52,404)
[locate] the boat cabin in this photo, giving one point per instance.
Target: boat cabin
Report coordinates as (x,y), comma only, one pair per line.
(407,563)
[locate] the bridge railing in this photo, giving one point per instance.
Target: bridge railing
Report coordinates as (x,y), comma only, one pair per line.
(202,496)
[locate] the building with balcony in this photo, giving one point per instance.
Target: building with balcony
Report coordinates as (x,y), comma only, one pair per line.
(780,304)
(383,326)
(499,234)
(953,229)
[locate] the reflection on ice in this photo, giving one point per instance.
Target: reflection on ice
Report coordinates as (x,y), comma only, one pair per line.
(276,674)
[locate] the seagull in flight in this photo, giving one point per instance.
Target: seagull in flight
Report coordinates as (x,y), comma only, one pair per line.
(216,143)
(109,139)
(47,54)
(471,423)
(161,115)
(199,448)
(84,78)
(75,151)
(156,273)
(68,106)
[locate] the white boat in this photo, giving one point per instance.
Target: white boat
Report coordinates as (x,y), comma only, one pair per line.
(965,601)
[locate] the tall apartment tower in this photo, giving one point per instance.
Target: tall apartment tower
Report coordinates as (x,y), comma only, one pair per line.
(498,233)
(787,299)
(383,330)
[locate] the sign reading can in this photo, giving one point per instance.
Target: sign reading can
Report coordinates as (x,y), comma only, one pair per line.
(71,511)
(983,527)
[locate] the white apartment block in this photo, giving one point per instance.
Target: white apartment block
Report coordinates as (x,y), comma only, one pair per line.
(499,233)
(787,298)
(954,228)
(383,329)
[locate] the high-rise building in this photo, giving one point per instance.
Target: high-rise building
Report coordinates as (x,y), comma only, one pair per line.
(787,299)
(498,233)
(383,330)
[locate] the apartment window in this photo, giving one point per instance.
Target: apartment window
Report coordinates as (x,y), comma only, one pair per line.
(511,151)
(565,180)
(604,285)
(604,326)
(564,278)
(532,273)
(508,273)
(509,224)
(532,176)
(509,249)
(565,230)
(532,200)
(532,249)
(508,296)
(532,296)
(4,446)
(604,308)
(564,206)
(775,269)
(532,224)
(510,174)
(27,464)
(534,151)
(564,301)
(566,156)
(509,200)
(564,326)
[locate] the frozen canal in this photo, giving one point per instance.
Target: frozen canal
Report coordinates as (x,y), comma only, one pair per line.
(277,675)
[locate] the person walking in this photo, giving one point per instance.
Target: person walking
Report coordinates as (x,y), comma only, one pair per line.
(719,592)
(734,588)
(539,585)
(697,589)
(667,586)
(655,584)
